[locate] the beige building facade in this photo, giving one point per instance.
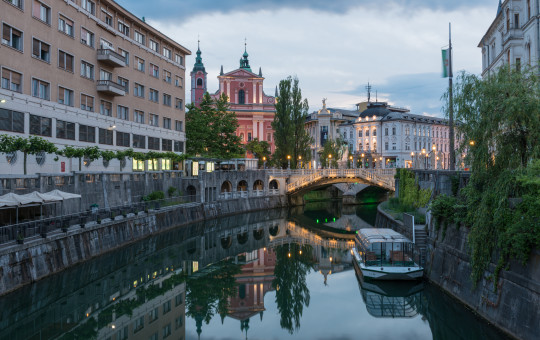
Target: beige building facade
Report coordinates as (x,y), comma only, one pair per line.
(88,73)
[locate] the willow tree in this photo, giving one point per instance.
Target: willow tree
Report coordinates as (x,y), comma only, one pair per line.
(290,135)
(500,130)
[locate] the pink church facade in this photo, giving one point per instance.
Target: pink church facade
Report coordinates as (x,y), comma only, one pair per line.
(254,110)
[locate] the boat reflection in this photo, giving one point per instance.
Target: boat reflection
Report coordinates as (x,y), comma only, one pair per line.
(391,299)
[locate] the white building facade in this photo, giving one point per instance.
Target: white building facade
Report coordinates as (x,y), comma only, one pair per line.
(513,37)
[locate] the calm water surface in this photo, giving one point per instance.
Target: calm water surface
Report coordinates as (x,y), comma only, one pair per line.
(269,275)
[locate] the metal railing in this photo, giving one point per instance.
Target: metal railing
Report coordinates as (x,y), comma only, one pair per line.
(19,232)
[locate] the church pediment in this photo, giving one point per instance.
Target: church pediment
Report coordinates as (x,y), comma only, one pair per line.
(240,73)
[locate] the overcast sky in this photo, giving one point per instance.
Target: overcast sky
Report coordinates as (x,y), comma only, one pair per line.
(333,46)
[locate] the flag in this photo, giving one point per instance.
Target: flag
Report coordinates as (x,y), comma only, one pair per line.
(446,63)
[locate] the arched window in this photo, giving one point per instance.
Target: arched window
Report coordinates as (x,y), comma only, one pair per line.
(199,81)
(241,97)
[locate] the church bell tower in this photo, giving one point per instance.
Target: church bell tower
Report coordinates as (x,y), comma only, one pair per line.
(198,79)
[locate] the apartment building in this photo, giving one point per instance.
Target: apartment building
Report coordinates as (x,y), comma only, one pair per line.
(89,73)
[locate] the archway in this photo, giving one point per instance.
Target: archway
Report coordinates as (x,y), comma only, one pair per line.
(226,186)
(273,185)
(274,230)
(191,191)
(199,81)
(258,234)
(242,186)
(226,242)
(258,185)
(242,238)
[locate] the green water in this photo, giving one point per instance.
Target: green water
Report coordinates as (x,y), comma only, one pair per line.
(268,275)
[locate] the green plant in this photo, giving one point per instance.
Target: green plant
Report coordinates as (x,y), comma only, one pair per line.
(153,196)
(171,191)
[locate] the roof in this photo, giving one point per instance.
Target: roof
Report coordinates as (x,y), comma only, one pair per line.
(373,235)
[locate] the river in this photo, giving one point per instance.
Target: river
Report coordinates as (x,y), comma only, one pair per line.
(266,275)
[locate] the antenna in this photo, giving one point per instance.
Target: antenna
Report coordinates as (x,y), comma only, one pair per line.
(245,44)
(368,88)
(376,97)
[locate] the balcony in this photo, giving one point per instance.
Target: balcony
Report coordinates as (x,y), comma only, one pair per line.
(111,88)
(111,58)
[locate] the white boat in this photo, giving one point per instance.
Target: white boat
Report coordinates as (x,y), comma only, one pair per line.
(384,254)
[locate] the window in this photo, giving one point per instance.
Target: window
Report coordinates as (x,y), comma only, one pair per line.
(89,6)
(16,3)
(386,131)
(249,137)
(122,112)
(374,132)
(367,133)
(41,12)
(241,97)
(154,70)
(138,90)
(11,80)
(65,25)
(393,131)
(385,145)
(40,89)
(179,82)
(107,18)
(154,336)
(12,37)
(528,9)
(65,96)
(105,44)
(166,123)
(65,61)
(178,103)
(125,83)
(87,70)
(516,20)
(139,64)
(242,137)
(167,99)
(122,333)
(178,147)
(41,50)
(40,126)
(87,103)
(166,145)
(166,331)
(105,75)
(178,300)
(179,59)
(154,45)
(408,131)
(518,64)
(138,116)
(138,324)
(178,125)
(65,130)
(87,133)
(139,37)
(124,54)
(123,28)
(507,19)
(87,37)
(122,139)
(269,137)
(139,141)
(359,133)
(167,53)
(105,136)
(178,322)
(153,144)
(105,108)
(394,146)
(154,95)
(153,119)
(11,121)
(167,76)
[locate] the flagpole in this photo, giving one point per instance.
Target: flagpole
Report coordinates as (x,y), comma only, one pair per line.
(450,101)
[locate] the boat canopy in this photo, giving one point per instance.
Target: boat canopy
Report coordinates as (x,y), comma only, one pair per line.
(374,235)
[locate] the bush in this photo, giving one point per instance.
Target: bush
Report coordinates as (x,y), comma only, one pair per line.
(155,195)
(171,191)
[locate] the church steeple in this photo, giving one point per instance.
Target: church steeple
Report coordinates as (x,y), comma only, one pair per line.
(199,66)
(244,62)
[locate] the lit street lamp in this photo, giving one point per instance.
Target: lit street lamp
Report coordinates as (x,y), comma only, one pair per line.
(351,159)
(300,161)
(288,161)
(425,158)
(264,162)
(412,160)
(329,160)
(362,160)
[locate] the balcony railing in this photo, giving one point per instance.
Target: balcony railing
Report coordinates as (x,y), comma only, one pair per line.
(111,88)
(111,58)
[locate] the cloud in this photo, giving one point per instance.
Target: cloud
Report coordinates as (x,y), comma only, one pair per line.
(179,10)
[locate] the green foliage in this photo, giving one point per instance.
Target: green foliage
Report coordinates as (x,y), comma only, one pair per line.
(171,191)
(501,114)
(154,195)
(31,145)
(108,155)
(290,136)
(334,148)
(259,149)
(410,193)
(211,129)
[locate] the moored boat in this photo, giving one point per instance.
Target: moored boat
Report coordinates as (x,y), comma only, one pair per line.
(384,254)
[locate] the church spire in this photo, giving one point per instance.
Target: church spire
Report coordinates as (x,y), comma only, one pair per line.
(199,66)
(244,62)
(260,72)
(221,72)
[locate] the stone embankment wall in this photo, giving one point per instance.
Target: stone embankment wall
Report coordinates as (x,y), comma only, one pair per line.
(38,258)
(514,307)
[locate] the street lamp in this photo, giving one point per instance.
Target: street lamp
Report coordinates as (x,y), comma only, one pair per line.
(434,149)
(288,161)
(471,143)
(412,160)
(329,160)
(425,158)
(264,162)
(2,101)
(362,160)
(300,161)
(351,159)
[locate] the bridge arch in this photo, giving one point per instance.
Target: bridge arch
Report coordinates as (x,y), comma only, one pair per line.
(258,185)
(242,186)
(226,186)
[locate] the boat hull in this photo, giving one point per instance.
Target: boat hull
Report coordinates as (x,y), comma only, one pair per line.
(386,273)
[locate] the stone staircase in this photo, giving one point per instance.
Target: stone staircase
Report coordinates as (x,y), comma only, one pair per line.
(420,236)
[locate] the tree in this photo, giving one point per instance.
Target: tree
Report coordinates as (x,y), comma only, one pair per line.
(290,134)
(259,149)
(28,146)
(211,129)
(500,129)
(334,148)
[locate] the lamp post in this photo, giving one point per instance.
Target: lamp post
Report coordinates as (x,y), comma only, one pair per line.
(412,160)
(425,157)
(362,160)
(351,159)
(264,162)
(434,149)
(288,161)
(329,160)
(300,161)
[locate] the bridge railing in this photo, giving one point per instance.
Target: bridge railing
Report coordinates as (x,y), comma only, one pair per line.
(382,177)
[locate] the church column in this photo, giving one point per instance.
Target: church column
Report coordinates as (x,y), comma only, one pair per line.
(261,131)
(256,129)
(254,93)
(260,93)
(228,90)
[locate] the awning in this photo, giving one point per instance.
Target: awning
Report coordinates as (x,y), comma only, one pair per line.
(14,200)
